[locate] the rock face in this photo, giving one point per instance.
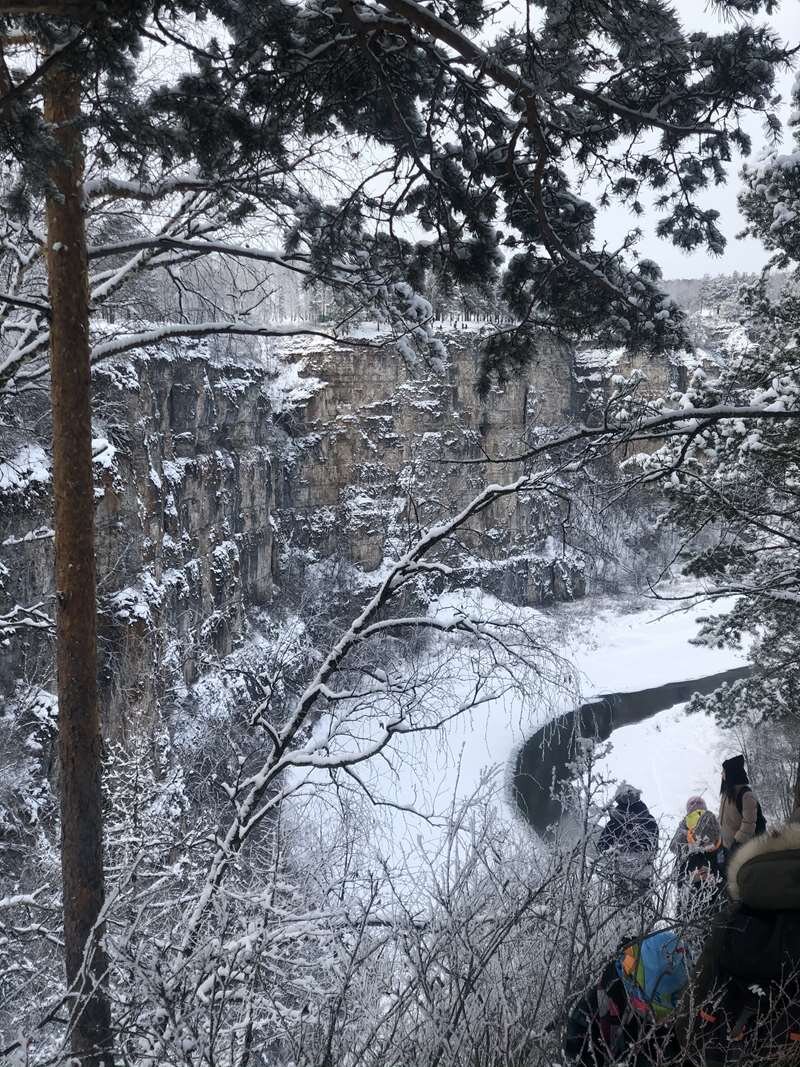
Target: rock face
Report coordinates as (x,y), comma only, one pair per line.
(223,485)
(595,369)
(384,452)
(185,455)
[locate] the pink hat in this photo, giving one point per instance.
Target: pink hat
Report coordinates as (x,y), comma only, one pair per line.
(695,804)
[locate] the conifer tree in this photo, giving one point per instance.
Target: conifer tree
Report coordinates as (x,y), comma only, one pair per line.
(735,485)
(486,138)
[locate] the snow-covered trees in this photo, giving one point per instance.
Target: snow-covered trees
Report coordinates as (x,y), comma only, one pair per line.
(735,486)
(233,130)
(345,129)
(320,948)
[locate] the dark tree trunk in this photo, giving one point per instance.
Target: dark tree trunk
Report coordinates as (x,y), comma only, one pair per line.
(79,735)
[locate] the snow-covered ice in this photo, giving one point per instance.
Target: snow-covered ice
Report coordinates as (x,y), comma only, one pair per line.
(622,651)
(612,650)
(671,757)
(614,647)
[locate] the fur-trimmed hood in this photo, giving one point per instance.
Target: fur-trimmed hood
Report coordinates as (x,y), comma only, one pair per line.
(764,874)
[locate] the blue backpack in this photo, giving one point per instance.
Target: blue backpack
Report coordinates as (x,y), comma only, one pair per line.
(641,985)
(655,972)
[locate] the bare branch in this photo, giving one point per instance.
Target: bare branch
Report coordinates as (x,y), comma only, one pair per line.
(22,302)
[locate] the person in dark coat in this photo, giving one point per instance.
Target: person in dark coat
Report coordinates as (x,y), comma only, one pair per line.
(630,826)
(744,1000)
(630,837)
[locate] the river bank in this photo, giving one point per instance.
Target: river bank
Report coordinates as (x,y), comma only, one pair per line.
(612,645)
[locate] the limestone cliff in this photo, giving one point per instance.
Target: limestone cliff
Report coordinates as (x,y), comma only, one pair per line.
(381,451)
(184,461)
(225,484)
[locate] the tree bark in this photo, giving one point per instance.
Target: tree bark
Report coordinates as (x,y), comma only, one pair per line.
(79,737)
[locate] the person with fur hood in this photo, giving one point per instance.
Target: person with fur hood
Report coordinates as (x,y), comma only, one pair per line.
(743,1004)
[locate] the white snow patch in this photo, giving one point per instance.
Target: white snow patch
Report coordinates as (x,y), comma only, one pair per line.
(130,605)
(103,453)
(41,533)
(671,756)
(599,358)
(623,651)
(29,467)
(288,387)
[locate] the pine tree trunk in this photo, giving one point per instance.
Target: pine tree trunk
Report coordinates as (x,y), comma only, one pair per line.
(76,626)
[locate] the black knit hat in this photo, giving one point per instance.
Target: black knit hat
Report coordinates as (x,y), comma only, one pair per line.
(734,772)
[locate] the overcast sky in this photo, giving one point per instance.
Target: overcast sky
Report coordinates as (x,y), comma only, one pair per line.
(745,255)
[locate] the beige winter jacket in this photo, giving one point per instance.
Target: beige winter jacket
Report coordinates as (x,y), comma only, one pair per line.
(736,827)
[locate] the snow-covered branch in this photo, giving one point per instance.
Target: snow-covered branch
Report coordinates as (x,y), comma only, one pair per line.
(290,746)
(24,302)
(128,342)
(297,264)
(681,421)
(25,618)
(113,187)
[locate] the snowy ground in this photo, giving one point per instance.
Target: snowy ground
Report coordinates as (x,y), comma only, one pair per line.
(619,649)
(614,647)
(671,756)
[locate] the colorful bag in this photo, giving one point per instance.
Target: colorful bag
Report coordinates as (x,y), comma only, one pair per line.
(703,831)
(655,972)
(635,992)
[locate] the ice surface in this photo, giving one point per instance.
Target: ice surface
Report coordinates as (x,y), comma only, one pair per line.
(615,647)
(671,757)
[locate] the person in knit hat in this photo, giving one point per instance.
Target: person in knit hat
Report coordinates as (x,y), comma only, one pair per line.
(630,838)
(740,815)
(697,847)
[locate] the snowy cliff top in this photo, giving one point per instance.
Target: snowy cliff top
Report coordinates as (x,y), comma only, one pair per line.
(589,359)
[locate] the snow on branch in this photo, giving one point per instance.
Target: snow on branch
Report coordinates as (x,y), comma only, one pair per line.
(118,188)
(200,329)
(23,302)
(205,247)
(25,618)
(668,422)
(291,746)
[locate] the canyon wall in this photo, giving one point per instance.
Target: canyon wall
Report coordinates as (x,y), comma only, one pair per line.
(226,484)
